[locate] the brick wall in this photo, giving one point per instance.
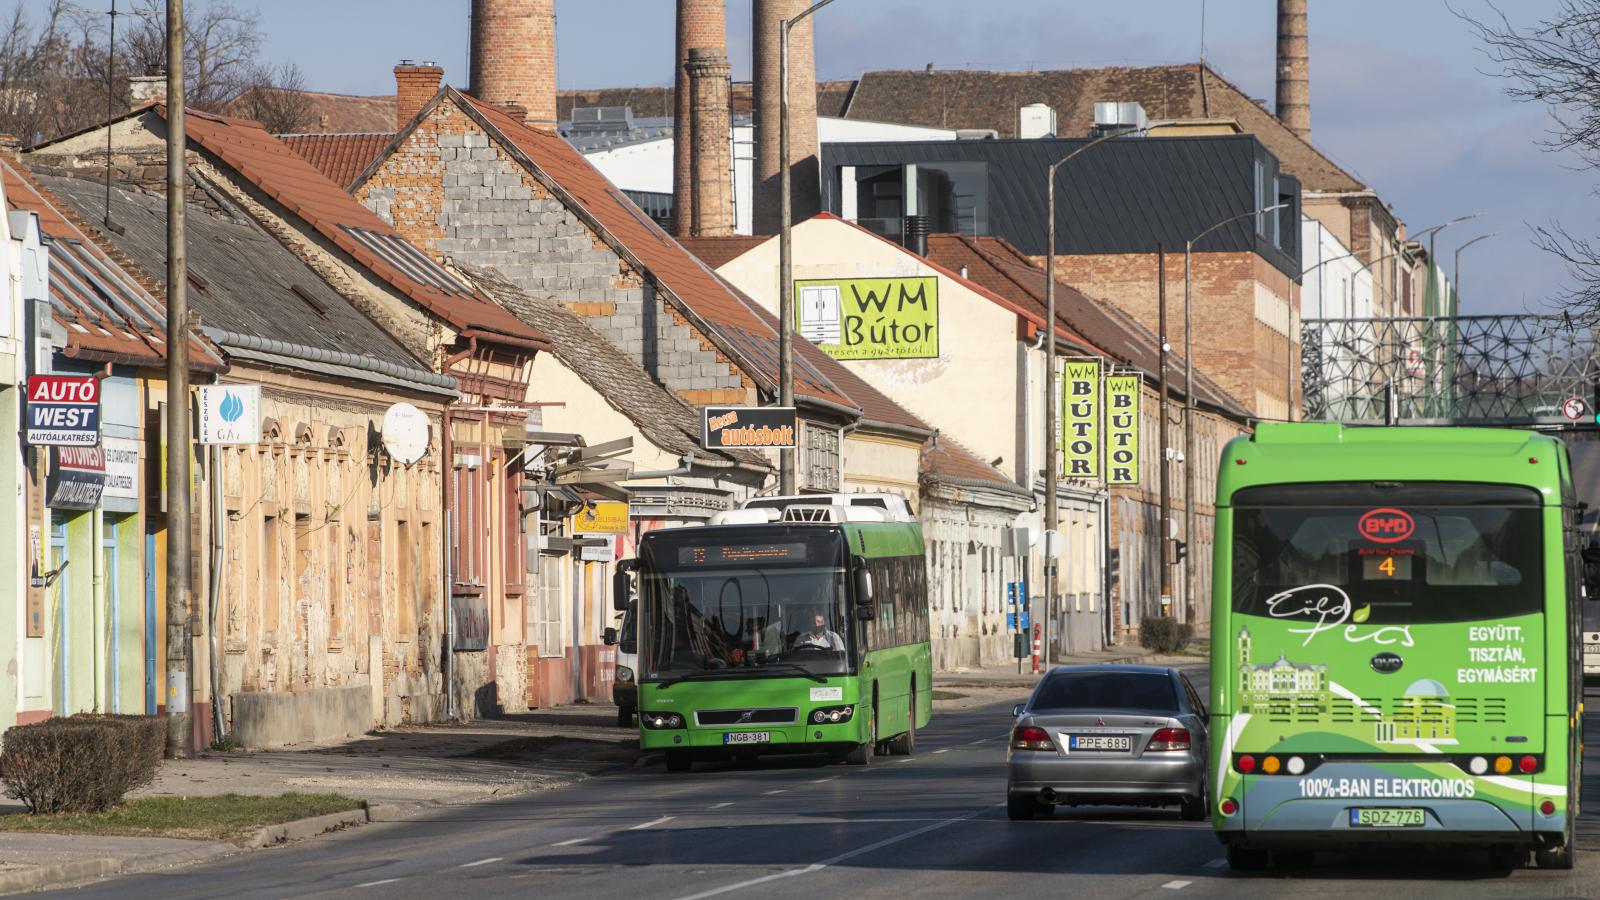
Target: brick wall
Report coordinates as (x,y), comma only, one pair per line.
(414,87)
(451,191)
(514,56)
(711,214)
(1232,345)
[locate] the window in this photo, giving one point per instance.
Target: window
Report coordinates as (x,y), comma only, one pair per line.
(410,583)
(516,566)
(954,197)
(1146,691)
(467,526)
(269,576)
(1277,214)
(547,626)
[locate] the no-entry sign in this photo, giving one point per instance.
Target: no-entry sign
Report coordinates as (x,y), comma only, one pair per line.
(63,410)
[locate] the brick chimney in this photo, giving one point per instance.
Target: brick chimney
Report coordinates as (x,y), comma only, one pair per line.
(708,71)
(701,24)
(148,88)
(514,56)
(803,155)
(1294,68)
(415,84)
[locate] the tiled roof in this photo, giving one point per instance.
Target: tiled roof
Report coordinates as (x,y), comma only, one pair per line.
(242,278)
(717,252)
(945,461)
(729,319)
(341,157)
(108,315)
(270,165)
(1000,267)
(665,418)
(970,99)
(335,113)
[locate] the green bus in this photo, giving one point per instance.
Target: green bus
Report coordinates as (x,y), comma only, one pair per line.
(1395,643)
(802,629)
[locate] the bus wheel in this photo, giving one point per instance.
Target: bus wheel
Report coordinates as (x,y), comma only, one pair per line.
(679,761)
(862,753)
(1555,857)
(908,741)
(1247,859)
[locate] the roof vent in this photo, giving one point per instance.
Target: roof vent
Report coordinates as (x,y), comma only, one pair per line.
(1036,120)
(976,134)
(1114,117)
(602,119)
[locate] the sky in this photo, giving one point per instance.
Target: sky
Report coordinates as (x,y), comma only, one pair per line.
(1401,94)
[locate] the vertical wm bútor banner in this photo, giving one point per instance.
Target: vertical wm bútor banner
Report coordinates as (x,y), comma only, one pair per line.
(1080,418)
(1122,429)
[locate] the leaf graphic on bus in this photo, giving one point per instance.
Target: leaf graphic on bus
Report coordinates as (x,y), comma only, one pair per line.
(1361,614)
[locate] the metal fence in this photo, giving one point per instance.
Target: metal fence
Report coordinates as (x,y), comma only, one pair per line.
(1485,370)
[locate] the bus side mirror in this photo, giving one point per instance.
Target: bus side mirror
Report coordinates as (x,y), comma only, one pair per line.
(866,612)
(621,587)
(609,637)
(863,582)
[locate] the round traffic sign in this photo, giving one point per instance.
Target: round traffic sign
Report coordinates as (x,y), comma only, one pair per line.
(1574,408)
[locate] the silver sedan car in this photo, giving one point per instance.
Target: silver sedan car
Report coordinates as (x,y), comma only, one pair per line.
(1108,734)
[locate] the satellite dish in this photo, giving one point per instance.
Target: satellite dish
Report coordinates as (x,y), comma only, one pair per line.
(406,433)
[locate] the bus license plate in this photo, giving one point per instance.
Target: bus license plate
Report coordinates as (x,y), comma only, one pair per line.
(1099,742)
(747,737)
(1387,817)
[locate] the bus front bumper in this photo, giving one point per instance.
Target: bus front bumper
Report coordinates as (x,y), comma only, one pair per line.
(803,738)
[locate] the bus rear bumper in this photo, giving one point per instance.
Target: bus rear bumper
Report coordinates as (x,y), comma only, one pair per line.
(1310,822)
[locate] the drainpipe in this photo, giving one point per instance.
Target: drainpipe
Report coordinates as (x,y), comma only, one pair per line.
(446,473)
(219,552)
(685,464)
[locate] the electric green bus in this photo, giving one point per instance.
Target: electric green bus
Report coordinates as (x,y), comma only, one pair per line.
(802,629)
(1395,643)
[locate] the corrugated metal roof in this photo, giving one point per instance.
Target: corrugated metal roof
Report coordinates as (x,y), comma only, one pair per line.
(1124,196)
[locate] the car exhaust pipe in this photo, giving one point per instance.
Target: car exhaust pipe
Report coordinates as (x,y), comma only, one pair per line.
(1048,796)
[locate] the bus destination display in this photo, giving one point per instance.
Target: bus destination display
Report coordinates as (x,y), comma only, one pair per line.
(742,554)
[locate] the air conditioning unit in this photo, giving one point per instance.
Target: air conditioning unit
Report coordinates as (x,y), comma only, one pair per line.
(1120,117)
(1036,120)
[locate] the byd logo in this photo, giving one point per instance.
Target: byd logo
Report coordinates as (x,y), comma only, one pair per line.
(1386,525)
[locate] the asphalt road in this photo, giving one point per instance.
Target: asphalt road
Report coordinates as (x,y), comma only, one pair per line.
(933,825)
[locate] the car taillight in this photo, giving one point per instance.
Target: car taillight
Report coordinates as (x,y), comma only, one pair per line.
(1169,739)
(1029,737)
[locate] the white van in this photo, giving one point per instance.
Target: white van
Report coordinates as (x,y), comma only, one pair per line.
(625,681)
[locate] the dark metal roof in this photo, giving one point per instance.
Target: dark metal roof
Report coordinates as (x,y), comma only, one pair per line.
(242,279)
(1124,196)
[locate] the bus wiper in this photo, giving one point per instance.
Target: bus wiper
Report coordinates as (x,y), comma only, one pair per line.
(752,672)
(801,670)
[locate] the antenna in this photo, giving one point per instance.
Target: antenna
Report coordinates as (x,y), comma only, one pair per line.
(111,71)
(1202,32)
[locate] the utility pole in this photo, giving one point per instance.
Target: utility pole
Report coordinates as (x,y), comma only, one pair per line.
(1166,448)
(180,736)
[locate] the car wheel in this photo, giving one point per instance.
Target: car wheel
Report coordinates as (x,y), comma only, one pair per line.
(1194,808)
(624,717)
(1021,807)
(1247,859)
(679,761)
(862,753)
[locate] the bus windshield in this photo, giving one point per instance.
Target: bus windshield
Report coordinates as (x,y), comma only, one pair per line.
(1395,557)
(744,604)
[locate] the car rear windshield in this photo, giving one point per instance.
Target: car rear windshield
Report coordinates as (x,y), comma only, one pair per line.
(1150,691)
(1386,553)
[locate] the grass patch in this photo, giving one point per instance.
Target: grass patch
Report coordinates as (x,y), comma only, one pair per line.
(947,695)
(226,817)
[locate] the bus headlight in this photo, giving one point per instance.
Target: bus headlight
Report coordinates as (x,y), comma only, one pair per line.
(660,720)
(624,674)
(832,715)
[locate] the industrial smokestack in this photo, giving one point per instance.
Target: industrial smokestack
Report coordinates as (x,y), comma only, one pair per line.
(803,153)
(1294,68)
(713,158)
(702,24)
(514,56)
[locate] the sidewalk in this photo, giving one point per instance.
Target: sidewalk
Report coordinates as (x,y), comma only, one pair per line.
(1005,675)
(400,773)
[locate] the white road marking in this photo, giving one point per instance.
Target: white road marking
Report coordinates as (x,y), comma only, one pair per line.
(481,862)
(859,851)
(721,805)
(945,750)
(1177,885)
(645,825)
(825,780)
(976,742)
(905,760)
(778,791)
(569,843)
(376,883)
(1217,863)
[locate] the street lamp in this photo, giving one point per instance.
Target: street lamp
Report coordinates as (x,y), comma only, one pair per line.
(1433,235)
(1456,278)
(1051,473)
(1188,397)
(787,480)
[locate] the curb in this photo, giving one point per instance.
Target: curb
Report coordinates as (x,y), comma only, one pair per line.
(78,871)
(300,829)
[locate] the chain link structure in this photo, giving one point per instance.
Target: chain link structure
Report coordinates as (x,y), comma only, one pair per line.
(1437,370)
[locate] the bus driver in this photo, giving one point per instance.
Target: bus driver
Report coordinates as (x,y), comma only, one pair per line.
(821,637)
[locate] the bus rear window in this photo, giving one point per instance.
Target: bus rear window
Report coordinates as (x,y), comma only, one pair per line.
(1399,558)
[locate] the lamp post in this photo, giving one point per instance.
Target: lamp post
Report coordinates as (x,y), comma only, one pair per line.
(1456,277)
(1051,470)
(1188,398)
(787,476)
